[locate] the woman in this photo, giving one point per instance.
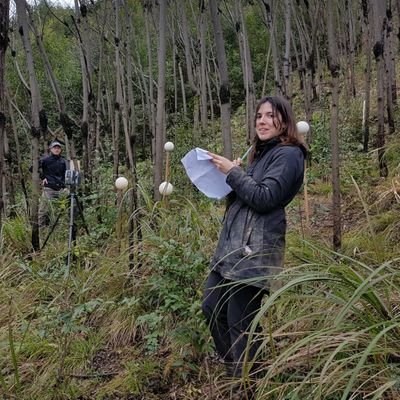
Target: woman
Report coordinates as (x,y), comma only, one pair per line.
(251,245)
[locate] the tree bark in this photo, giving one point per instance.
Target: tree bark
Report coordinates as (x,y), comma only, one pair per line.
(248,78)
(378,16)
(367,44)
(87,92)
(36,111)
(334,68)
(286,59)
(224,89)
(351,47)
(4,22)
(203,66)
(270,24)
(159,137)
(390,69)
(151,110)
(18,151)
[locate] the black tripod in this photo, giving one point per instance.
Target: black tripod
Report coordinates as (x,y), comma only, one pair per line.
(74,205)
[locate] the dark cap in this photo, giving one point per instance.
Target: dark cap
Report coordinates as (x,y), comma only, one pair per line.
(54,144)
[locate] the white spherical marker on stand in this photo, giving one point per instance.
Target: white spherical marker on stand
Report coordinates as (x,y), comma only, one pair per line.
(121,183)
(165,188)
(303,127)
(169,146)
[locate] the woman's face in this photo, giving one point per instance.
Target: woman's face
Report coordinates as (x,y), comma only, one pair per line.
(268,122)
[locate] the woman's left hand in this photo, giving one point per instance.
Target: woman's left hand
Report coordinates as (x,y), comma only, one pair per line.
(222,163)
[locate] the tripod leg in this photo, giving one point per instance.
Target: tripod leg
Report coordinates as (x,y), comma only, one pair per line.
(72,231)
(51,230)
(80,211)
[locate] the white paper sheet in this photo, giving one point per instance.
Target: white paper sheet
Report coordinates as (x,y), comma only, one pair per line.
(205,175)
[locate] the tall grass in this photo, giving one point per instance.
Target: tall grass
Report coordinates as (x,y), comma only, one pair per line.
(331,327)
(335,331)
(97,331)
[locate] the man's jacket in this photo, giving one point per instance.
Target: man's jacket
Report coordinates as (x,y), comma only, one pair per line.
(53,169)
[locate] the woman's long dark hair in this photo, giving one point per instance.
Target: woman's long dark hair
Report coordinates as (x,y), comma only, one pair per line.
(289,135)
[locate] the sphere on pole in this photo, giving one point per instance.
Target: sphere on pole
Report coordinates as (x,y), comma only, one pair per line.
(303,127)
(165,188)
(121,183)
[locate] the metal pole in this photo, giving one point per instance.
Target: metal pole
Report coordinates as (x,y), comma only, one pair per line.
(71,229)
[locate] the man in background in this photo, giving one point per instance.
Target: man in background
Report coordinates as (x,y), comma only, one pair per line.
(52,173)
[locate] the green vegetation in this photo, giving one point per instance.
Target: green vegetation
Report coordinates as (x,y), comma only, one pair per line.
(125,322)
(331,327)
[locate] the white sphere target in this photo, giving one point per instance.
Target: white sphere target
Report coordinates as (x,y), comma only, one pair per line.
(165,188)
(169,146)
(121,183)
(303,127)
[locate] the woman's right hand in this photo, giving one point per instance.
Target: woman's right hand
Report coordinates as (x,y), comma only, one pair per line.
(237,162)
(222,163)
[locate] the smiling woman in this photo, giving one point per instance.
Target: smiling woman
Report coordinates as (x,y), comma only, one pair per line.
(268,123)
(251,245)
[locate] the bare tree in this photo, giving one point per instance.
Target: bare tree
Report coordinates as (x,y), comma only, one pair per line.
(334,68)
(17,150)
(37,119)
(287,90)
(351,43)
(129,122)
(150,97)
(87,92)
(65,120)
(389,58)
(4,12)
(203,65)
(247,68)
(224,89)
(378,16)
(160,115)
(368,50)
(266,7)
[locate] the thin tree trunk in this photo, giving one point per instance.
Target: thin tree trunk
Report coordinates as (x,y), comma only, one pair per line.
(286,59)
(248,79)
(390,70)
(35,120)
(203,66)
(183,91)
(378,16)
(270,24)
(134,226)
(367,40)
(351,49)
(87,94)
(151,111)
(186,47)
(159,137)
(4,22)
(118,104)
(334,68)
(224,90)
(18,151)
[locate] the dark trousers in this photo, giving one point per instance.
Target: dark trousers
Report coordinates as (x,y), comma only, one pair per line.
(230,308)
